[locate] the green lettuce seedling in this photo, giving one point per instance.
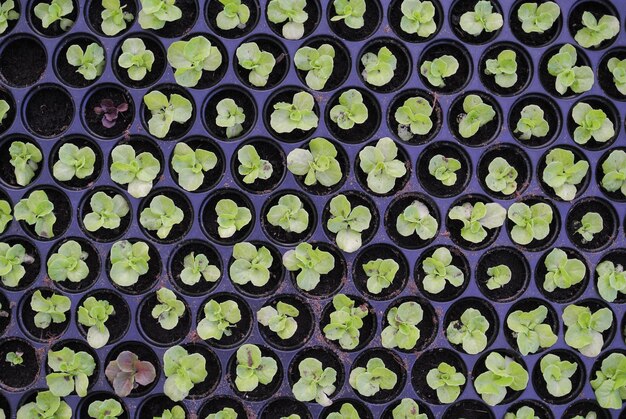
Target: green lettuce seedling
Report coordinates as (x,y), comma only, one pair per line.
(280,320)
(128,262)
(127,372)
(289,214)
(94,314)
(114,18)
(413,117)
(592,124)
(380,274)
(438,69)
(348,223)
(230,116)
(218,319)
(379,68)
(531,222)
(191,58)
(504,68)
(136,58)
(4,105)
(49,310)
(583,329)
(7,12)
(477,114)
(317,62)
(225,413)
(568,75)
(374,377)
(107,212)
(482,18)
(299,114)
(502,372)
(590,224)
(197,267)
(38,211)
(402,331)
(105,409)
(169,310)
(74,162)
(502,177)
(347,411)
(557,374)
(311,262)
(165,111)
(315,383)
(250,264)
(12,259)
(610,382)
(532,123)
(416,219)
(408,409)
(190,165)
(178,412)
(235,14)
(136,171)
(154,14)
(260,63)
(562,272)
(291,13)
(345,322)
(70,371)
(351,12)
(499,276)
(5,215)
(418,18)
(252,166)
(350,110)
(446,381)
(563,174)
(595,31)
(318,163)
(617,68)
(183,370)
(253,368)
(444,168)
(161,216)
(90,62)
(538,18)
(231,218)
(381,166)
(439,270)
(614,170)
(478,217)
(46,405)
(527,412)
(469,331)
(25,158)
(49,13)
(611,280)
(15,359)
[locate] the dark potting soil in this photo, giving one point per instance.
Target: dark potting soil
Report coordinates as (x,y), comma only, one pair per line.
(456,310)
(22,61)
(449,292)
(605,77)
(176,266)
(399,184)
(527,305)
(372,19)
(514,156)
(7,170)
(597,9)
(326,356)
(331,282)
(547,80)
(263,391)
(145,281)
(213,369)
(430,183)
(436,117)
(403,68)
(77,346)
(520,273)
(118,322)
(463,75)
(318,188)
(105,234)
(480,367)
(155,405)
(355,199)
(555,226)
(578,379)
(152,328)
(62,210)
(240,331)
(561,295)
(454,226)
(101,396)
(158,67)
(486,133)
(49,111)
(342,63)
(305,319)
(552,115)
(94,15)
(609,229)
(267,150)
(5,313)
(94,120)
(578,156)
(397,207)
(80,142)
(477,409)
(392,362)
(362,410)
(458,9)
(380,251)
(596,102)
(429,360)
(54,29)
(284,407)
(69,73)
(286,95)
(618,257)
(242,99)
(277,274)
(394,16)
(533,39)
(277,232)
(366,333)
(313,10)
(214,7)
(144,353)
(524,69)
(211,177)
(209,216)
(281,66)
(32,267)
(359,132)
(428,326)
(179,230)
(613,196)
(27,314)
(13,377)
(218,403)
(10,114)
(177,130)
(182,26)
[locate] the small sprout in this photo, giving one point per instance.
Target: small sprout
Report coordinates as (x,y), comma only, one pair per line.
(402,331)
(136,58)
(280,320)
(107,212)
(557,374)
(418,18)
(289,214)
(562,272)
(183,371)
(74,162)
(590,224)
(315,383)
(230,116)
(25,158)
(407,409)
(114,18)
(483,18)
(136,171)
(12,259)
(250,265)
(317,62)
(197,267)
(609,385)
(318,163)
(231,218)
(531,222)
(218,319)
(169,310)
(49,13)
(110,111)
(583,329)
(350,110)
(190,165)
(94,314)
(614,172)
(504,68)
(527,412)
(162,215)
(166,111)
(190,58)
(568,75)
(595,31)
(38,211)
(413,117)
(499,276)
(225,413)
(260,63)
(292,13)
(46,405)
(345,322)
(105,409)
(538,18)
(416,219)
(617,68)
(532,123)
(611,280)
(348,223)
(312,263)
(7,12)
(438,69)
(5,215)
(235,14)
(90,62)
(375,377)
(478,217)
(252,166)
(379,68)
(502,177)
(299,114)
(592,123)
(446,381)
(154,14)
(381,166)
(380,274)
(562,174)
(253,368)
(502,372)
(70,371)
(15,358)
(127,372)
(4,105)
(444,168)
(178,412)
(49,310)
(477,114)
(469,331)
(351,12)
(439,270)
(128,262)
(347,411)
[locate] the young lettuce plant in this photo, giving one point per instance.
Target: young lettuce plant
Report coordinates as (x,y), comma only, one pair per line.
(418,18)
(49,13)
(93,314)
(531,222)
(70,371)
(161,216)
(610,382)
(280,320)
(568,75)
(499,276)
(136,171)
(74,162)
(350,110)
(4,105)
(197,267)
(252,166)
(128,262)
(89,63)
(611,280)
(591,124)
(231,218)
(127,372)
(49,310)
(105,409)
(502,177)
(482,18)
(538,18)
(169,310)
(562,174)
(46,405)
(25,159)
(562,272)
(5,215)
(413,117)
(402,331)
(446,381)
(504,68)
(230,116)
(469,331)
(315,383)
(155,14)
(225,413)
(289,214)
(291,13)
(347,411)
(444,169)
(374,377)
(439,69)
(15,359)
(317,62)
(191,58)
(617,68)
(380,274)
(439,270)
(298,115)
(218,319)
(348,223)
(502,372)
(183,371)
(253,368)
(614,172)
(311,262)
(345,322)
(190,165)
(136,58)
(379,68)
(532,123)
(250,264)
(260,63)
(408,409)
(583,328)
(235,14)
(317,164)
(557,374)
(416,219)
(477,114)
(12,259)
(178,412)
(165,111)
(527,412)
(478,217)
(590,224)
(381,166)
(38,211)
(595,31)
(351,12)
(7,13)
(114,18)
(106,212)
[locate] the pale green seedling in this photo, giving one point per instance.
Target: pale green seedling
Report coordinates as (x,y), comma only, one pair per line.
(611,280)
(381,166)
(25,159)
(402,331)
(317,164)
(315,383)
(291,14)
(373,378)
(476,115)
(251,264)
(311,262)
(499,276)
(259,63)
(532,123)
(416,218)
(219,319)
(161,216)
(297,115)
(89,63)
(591,124)
(502,373)
(350,110)
(345,322)
(351,12)
(530,331)
(231,218)
(440,271)
(235,14)
(469,331)
(538,18)
(414,118)
(446,381)
(418,18)
(136,58)
(583,328)
(230,116)
(280,320)
(114,18)
(595,31)
(348,223)
(49,310)
(563,174)
(380,274)
(502,177)
(444,169)
(191,58)
(379,68)
(477,219)
(318,64)
(169,309)
(154,14)
(562,66)
(252,166)
(482,19)
(557,374)
(439,69)
(503,68)
(73,162)
(530,222)
(289,214)
(106,212)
